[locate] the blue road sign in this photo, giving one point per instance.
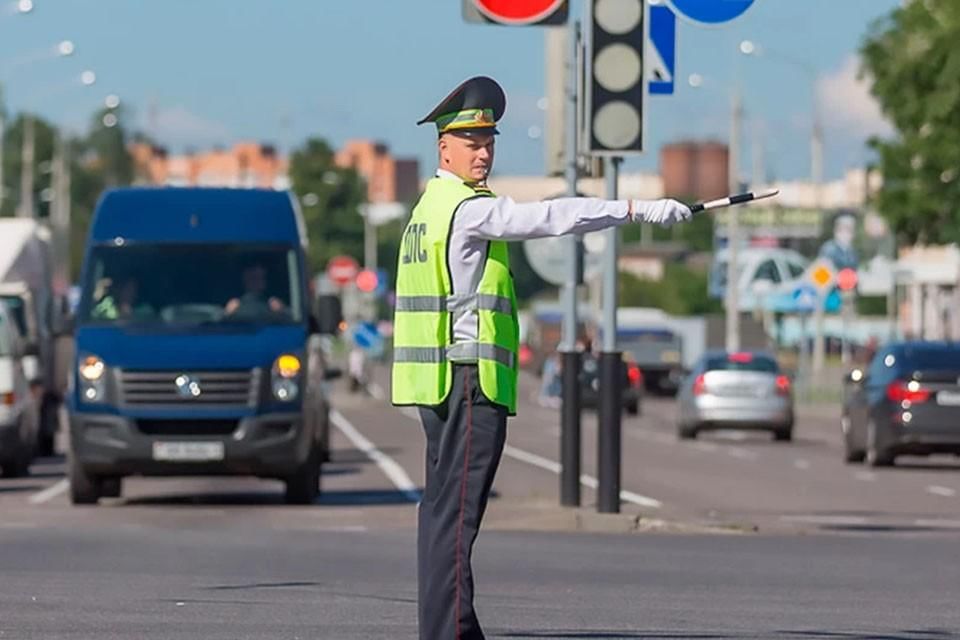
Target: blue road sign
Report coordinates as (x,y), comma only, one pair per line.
(711,11)
(805,298)
(662,54)
(367,336)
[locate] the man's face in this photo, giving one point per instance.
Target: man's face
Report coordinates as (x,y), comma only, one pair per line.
(470,157)
(255,279)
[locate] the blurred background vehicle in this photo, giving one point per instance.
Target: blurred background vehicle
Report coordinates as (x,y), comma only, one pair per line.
(739,390)
(19,408)
(906,402)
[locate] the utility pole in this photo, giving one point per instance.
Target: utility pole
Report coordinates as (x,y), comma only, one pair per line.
(733,227)
(570,438)
(26,209)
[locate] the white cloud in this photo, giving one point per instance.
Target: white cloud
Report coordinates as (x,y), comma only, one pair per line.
(846,103)
(179,127)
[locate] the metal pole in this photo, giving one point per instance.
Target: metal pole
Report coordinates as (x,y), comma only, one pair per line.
(369,243)
(611,369)
(816,175)
(26,169)
(733,229)
(570,410)
(2,191)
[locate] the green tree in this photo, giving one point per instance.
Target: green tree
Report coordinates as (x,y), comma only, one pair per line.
(108,142)
(914,62)
(330,197)
(44,135)
(682,291)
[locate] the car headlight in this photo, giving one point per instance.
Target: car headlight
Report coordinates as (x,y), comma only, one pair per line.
(91,375)
(92,368)
(285,378)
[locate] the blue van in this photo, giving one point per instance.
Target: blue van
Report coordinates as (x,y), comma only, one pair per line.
(196,349)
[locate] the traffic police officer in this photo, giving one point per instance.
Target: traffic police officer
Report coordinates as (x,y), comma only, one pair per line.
(456,335)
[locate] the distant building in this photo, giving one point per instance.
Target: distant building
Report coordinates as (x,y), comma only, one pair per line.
(246,164)
(694,169)
(388,179)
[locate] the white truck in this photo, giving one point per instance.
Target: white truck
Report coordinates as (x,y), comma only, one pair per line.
(26,288)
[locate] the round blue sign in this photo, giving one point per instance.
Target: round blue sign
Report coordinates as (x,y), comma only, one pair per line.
(711,11)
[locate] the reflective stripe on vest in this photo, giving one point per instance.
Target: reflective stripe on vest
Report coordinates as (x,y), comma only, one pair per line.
(455,303)
(459,351)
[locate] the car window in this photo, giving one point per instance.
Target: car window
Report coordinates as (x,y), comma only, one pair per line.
(795,268)
(742,362)
(767,271)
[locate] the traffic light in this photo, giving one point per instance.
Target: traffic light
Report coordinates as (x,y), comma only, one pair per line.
(616,82)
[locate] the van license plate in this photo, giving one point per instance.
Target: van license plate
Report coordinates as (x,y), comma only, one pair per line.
(188,451)
(948,398)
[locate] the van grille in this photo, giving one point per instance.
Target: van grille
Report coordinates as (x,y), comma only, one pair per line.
(169,389)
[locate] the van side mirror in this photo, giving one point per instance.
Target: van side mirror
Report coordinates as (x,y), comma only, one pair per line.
(329,314)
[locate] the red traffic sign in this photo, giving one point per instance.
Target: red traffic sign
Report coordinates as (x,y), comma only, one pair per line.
(342,270)
(519,12)
(367,281)
(847,279)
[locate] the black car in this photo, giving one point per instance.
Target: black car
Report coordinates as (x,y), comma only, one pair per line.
(907,402)
(631,385)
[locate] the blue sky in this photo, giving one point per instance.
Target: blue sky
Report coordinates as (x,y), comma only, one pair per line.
(217,71)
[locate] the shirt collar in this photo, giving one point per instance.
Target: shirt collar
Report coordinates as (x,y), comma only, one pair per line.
(447,175)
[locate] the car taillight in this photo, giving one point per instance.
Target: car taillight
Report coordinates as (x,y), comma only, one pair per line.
(783,385)
(634,375)
(911,392)
(700,385)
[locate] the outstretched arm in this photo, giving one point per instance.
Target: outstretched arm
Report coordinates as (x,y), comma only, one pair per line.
(502,218)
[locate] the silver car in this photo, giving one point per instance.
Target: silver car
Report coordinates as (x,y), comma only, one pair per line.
(19,416)
(742,390)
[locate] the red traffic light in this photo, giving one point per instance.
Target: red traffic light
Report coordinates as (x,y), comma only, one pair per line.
(847,279)
(367,281)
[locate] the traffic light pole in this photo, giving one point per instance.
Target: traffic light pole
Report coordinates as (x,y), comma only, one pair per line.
(570,370)
(611,368)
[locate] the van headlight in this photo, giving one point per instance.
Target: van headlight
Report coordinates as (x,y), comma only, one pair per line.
(91,374)
(285,378)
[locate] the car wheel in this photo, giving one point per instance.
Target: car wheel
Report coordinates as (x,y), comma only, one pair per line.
(303,487)
(633,408)
(851,455)
(111,487)
(16,467)
(783,435)
(876,456)
(84,487)
(687,432)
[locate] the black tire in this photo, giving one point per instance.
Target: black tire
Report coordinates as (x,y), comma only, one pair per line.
(303,487)
(687,432)
(111,487)
(783,435)
(45,444)
(49,423)
(633,408)
(84,488)
(16,467)
(875,455)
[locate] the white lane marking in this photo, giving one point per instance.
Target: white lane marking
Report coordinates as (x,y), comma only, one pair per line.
(587,481)
(554,467)
(739,436)
(350,528)
(388,465)
(866,476)
(945,492)
(743,454)
(836,520)
(376,391)
(708,447)
(803,465)
(937,522)
(50,492)
(18,525)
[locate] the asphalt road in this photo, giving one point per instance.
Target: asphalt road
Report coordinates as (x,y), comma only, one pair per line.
(841,552)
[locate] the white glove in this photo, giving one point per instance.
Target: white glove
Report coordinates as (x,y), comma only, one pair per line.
(664,212)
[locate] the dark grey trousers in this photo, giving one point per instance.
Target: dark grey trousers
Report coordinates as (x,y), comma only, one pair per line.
(465,438)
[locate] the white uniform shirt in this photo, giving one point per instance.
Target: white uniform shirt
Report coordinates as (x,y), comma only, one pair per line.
(480,220)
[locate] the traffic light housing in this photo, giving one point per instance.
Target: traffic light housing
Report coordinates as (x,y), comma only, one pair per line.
(616,84)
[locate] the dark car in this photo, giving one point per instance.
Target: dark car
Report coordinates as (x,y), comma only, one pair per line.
(631,385)
(907,402)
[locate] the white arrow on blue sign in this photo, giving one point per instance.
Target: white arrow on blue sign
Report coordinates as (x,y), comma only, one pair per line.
(711,11)
(662,50)
(805,298)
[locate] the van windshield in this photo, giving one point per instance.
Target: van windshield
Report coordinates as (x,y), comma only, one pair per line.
(212,284)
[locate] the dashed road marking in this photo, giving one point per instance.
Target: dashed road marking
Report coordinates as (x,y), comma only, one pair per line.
(388,465)
(945,492)
(586,480)
(803,465)
(50,492)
